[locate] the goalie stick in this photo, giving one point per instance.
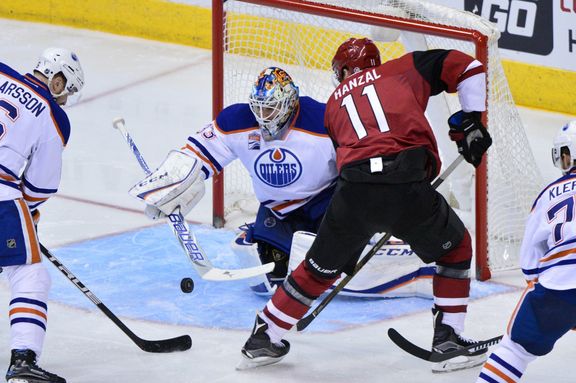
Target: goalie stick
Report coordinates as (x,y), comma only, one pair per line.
(305,321)
(181,343)
(186,238)
(433,356)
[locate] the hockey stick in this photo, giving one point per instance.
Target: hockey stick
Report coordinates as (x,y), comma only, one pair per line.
(186,238)
(181,343)
(305,322)
(433,356)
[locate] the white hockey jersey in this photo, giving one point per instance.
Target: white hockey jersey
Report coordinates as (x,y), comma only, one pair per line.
(285,173)
(33,132)
(548,251)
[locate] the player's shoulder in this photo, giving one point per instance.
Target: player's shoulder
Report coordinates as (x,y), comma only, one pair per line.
(236,118)
(5,69)
(553,187)
(311,116)
(25,81)
(58,117)
(62,123)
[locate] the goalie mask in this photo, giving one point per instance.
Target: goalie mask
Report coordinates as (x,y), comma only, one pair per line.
(565,143)
(274,101)
(59,60)
(355,55)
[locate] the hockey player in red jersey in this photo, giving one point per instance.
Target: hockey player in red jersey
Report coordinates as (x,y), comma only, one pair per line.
(386,156)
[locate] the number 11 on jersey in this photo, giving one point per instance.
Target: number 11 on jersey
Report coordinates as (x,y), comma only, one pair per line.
(348,103)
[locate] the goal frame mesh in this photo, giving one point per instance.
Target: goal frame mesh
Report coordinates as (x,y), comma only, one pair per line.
(474,36)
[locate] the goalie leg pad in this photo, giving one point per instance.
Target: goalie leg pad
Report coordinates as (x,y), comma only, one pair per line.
(177,183)
(394,272)
(248,256)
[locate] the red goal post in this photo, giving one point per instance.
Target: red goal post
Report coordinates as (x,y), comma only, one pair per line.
(249,35)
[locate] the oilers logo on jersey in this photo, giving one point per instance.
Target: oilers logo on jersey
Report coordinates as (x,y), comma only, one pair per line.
(278,167)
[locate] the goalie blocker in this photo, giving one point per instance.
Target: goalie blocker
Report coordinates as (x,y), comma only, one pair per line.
(394,272)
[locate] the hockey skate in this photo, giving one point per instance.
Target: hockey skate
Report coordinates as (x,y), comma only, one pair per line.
(23,369)
(446,340)
(259,350)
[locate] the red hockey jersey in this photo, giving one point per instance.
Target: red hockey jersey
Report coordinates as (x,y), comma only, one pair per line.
(380,111)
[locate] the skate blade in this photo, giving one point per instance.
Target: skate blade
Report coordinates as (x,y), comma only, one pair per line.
(459,363)
(248,363)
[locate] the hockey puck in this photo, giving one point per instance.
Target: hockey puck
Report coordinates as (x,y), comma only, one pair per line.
(187,285)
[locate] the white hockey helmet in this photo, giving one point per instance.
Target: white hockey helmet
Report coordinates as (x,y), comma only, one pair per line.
(565,143)
(60,60)
(273,101)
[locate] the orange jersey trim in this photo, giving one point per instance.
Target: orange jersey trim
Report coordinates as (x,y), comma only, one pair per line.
(236,131)
(500,374)
(8,177)
(201,156)
(529,288)
(286,204)
(29,311)
(309,132)
(33,199)
(558,255)
(34,247)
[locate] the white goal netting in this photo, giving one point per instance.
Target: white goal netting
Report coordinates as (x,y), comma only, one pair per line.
(257,36)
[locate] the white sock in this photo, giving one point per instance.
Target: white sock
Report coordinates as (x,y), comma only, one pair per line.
(275,332)
(506,364)
(454,320)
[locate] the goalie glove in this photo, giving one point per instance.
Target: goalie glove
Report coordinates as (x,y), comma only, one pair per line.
(471,137)
(177,183)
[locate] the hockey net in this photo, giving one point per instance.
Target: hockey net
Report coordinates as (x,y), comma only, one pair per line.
(302,36)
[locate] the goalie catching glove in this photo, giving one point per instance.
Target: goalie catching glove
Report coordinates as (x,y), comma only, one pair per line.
(470,136)
(177,183)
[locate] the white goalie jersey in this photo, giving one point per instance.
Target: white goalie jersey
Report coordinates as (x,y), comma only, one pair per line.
(285,173)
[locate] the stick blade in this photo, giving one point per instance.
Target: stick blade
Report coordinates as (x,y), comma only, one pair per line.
(180,343)
(305,322)
(408,346)
(215,274)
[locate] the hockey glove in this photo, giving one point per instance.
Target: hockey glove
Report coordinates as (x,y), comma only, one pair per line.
(470,136)
(177,183)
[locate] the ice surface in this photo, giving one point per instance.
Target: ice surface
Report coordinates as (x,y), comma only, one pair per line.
(163,91)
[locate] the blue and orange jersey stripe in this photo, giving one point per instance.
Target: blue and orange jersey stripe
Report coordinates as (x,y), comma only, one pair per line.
(30,231)
(202,157)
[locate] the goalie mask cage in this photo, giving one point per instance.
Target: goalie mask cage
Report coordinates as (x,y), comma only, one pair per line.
(302,36)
